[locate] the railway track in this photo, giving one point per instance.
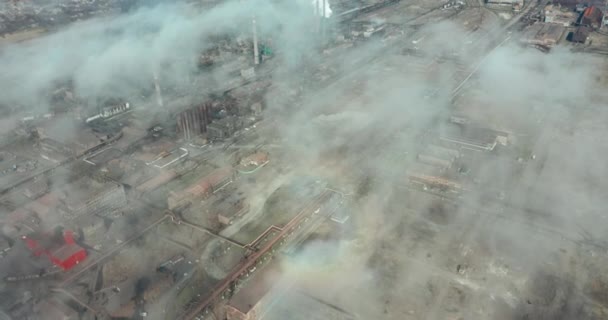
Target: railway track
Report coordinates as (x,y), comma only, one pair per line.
(227,287)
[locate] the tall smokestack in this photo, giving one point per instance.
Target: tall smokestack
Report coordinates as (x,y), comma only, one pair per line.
(256,53)
(159,97)
(323,20)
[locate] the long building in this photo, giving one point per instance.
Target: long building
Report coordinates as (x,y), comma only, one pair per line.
(201,189)
(88,196)
(506,2)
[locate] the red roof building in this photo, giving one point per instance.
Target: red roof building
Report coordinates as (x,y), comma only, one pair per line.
(66,255)
(592,17)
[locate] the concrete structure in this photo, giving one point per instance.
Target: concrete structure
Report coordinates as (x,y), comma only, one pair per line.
(193,121)
(253,300)
(472,137)
(249,265)
(92,227)
(54,151)
(52,309)
(157,181)
(223,128)
(230,208)
(203,188)
(110,110)
(580,34)
(558,15)
(88,196)
(20,222)
(506,2)
(546,35)
(36,188)
(61,138)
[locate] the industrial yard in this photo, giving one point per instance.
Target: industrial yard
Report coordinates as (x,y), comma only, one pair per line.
(285,160)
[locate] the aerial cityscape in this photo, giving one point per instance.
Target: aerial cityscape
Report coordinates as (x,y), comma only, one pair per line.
(304,159)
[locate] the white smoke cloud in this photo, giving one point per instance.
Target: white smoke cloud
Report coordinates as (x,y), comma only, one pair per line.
(319,10)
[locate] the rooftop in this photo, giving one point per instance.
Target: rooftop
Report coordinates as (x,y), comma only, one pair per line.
(258,286)
(298,305)
(66,251)
(70,133)
(55,310)
(81,191)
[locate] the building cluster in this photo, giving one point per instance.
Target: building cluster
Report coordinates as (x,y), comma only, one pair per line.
(585,16)
(565,19)
(441,166)
(19,15)
(559,15)
(64,138)
(81,206)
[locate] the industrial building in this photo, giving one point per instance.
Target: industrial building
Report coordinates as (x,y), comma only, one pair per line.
(64,255)
(472,137)
(62,138)
(20,222)
(579,5)
(36,188)
(580,35)
(201,189)
(264,297)
(54,151)
(193,122)
(437,156)
(559,15)
(223,128)
(374,206)
(110,109)
(592,17)
(229,208)
(506,2)
(91,227)
(545,35)
(92,197)
(156,181)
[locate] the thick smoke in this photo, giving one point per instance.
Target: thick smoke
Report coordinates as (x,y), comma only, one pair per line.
(367,124)
(117,56)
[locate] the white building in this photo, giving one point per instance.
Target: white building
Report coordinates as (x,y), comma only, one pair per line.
(506,2)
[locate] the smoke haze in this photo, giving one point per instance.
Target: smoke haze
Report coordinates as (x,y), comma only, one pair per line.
(534,210)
